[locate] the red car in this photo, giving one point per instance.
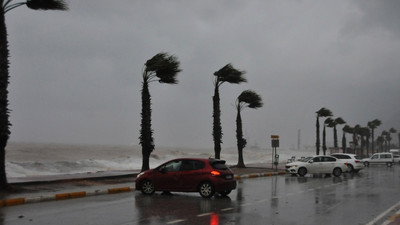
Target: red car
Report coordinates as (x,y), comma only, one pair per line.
(206,176)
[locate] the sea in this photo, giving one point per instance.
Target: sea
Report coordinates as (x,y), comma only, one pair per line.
(42,159)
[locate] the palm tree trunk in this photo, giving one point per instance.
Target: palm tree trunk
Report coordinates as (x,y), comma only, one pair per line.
(4,112)
(344,142)
(335,139)
(317,137)
(239,137)
(373,142)
(324,141)
(217,129)
(146,133)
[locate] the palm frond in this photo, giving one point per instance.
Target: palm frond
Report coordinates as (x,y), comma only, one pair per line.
(47,4)
(165,67)
(323,112)
(339,120)
(251,98)
(231,75)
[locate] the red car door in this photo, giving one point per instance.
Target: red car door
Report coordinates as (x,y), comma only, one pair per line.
(191,174)
(167,177)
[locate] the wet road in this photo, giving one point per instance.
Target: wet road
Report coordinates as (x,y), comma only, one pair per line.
(350,199)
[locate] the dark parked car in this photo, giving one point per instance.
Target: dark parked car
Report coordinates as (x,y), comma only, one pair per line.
(206,176)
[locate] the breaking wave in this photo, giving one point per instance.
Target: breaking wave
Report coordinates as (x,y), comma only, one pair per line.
(26,159)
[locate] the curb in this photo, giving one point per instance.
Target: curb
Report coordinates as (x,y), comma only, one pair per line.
(393,220)
(81,194)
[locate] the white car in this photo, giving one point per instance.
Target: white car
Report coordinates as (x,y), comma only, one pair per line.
(354,162)
(317,165)
(380,158)
(396,159)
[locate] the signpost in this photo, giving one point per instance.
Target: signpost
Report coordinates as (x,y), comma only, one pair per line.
(275,156)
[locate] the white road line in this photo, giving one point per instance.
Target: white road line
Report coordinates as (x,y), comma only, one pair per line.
(226,209)
(245,204)
(383,214)
(204,214)
(176,221)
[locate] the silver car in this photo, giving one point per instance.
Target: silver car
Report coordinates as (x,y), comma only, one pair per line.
(354,162)
(317,165)
(380,158)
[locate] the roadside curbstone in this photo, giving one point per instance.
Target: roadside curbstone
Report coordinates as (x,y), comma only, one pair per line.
(119,190)
(12,202)
(64,196)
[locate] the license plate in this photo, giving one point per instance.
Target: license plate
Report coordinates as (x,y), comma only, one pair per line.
(228,177)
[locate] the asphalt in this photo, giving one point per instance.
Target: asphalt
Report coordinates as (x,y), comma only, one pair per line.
(35,189)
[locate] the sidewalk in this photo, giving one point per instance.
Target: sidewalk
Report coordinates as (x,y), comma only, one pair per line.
(60,187)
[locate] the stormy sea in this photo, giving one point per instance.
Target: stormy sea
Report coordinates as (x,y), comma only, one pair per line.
(37,159)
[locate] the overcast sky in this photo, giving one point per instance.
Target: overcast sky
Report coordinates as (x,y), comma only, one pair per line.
(76,75)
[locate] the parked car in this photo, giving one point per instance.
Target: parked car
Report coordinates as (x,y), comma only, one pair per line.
(396,159)
(206,176)
(380,158)
(354,162)
(317,165)
(396,155)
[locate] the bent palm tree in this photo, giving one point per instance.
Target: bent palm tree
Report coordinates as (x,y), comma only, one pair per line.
(226,74)
(164,69)
(247,99)
(4,72)
(364,135)
(391,131)
(373,125)
(320,113)
(346,129)
(327,123)
(333,123)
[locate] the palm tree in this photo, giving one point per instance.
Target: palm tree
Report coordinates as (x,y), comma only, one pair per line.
(247,99)
(323,112)
(386,138)
(398,135)
(380,140)
(162,68)
(226,74)
(327,123)
(4,72)
(356,131)
(333,123)
(391,131)
(364,135)
(373,125)
(346,129)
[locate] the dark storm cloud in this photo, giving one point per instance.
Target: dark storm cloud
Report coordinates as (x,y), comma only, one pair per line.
(76,75)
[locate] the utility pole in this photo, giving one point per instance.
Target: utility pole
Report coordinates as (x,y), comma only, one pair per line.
(298,140)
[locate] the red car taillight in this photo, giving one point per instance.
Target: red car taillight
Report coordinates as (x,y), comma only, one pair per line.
(215,173)
(356,161)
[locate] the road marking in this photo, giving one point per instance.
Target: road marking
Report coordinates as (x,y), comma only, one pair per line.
(245,204)
(176,221)
(262,200)
(383,214)
(204,214)
(226,209)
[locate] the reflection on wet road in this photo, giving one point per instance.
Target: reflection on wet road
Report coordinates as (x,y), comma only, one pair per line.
(350,199)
